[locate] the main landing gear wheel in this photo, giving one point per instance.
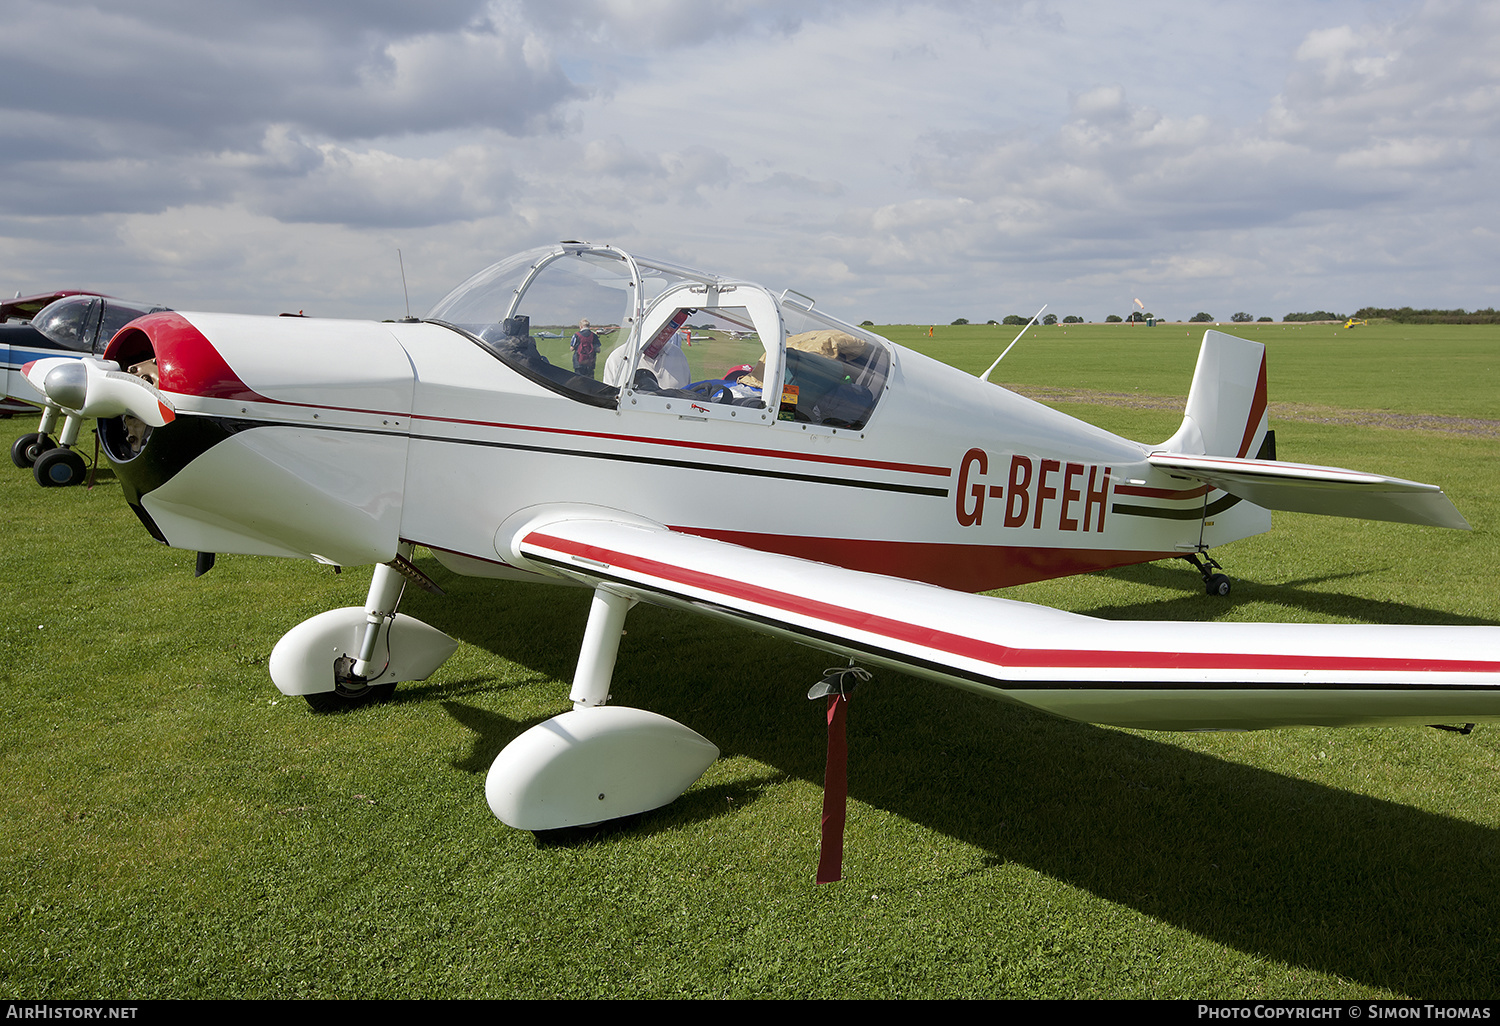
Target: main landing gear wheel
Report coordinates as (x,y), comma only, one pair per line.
(349,691)
(1215,583)
(342,699)
(58,468)
(28,447)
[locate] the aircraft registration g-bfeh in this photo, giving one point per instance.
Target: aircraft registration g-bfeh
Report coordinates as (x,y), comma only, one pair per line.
(844,492)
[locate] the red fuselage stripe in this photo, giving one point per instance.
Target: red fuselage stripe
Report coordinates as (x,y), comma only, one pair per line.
(189,364)
(739,450)
(1162,493)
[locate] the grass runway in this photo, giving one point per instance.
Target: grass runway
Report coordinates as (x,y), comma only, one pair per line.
(170,826)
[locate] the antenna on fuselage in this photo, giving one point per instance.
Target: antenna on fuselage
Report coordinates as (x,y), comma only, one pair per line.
(986,375)
(404,293)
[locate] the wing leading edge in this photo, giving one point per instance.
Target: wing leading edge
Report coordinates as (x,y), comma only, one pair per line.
(1160,675)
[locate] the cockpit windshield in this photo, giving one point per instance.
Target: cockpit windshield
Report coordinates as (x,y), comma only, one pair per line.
(835,373)
(87,323)
(551,314)
(606,328)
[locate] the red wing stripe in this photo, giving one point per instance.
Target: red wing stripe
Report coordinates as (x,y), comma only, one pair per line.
(989,652)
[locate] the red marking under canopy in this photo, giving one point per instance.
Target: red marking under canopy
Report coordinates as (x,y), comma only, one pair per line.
(737,450)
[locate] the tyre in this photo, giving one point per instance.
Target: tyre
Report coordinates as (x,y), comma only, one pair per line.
(27,448)
(58,468)
(342,699)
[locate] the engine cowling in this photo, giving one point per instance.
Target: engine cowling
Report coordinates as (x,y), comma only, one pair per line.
(288,436)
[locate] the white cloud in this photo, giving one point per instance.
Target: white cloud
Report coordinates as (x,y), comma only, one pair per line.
(899,155)
(372,188)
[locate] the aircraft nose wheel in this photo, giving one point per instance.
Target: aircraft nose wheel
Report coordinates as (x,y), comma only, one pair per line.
(27,448)
(58,468)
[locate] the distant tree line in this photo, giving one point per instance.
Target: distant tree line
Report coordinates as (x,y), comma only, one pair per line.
(1316,315)
(1011,319)
(1406,315)
(1403,315)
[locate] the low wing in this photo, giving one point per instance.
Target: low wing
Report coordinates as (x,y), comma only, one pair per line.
(1332,491)
(1128,673)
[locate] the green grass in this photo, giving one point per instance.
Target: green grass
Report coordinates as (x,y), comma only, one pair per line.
(711,355)
(170,826)
(1450,369)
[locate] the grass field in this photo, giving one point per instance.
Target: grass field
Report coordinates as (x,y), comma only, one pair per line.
(170,826)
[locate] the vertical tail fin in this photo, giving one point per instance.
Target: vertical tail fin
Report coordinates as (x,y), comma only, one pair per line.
(1226,406)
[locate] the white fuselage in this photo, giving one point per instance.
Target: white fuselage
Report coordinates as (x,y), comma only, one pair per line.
(436,442)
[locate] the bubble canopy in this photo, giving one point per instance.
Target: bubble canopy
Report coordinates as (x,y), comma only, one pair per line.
(86,323)
(610,329)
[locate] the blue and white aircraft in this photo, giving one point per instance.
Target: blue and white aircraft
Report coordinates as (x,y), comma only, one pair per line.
(64,324)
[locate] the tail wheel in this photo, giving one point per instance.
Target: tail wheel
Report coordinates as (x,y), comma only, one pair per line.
(1215,582)
(59,468)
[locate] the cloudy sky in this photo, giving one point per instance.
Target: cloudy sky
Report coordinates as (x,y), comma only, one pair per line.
(900,161)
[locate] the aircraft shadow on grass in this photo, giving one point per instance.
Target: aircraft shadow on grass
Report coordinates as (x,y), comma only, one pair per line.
(1290,594)
(1292,870)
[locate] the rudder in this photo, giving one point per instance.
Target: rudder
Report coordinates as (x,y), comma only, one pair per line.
(1226,405)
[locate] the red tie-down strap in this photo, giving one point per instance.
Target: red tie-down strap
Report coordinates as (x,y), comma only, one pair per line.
(837,684)
(835,795)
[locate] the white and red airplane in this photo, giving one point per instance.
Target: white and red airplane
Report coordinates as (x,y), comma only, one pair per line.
(844,492)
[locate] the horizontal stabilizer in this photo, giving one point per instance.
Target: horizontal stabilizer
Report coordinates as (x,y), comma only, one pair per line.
(1330,491)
